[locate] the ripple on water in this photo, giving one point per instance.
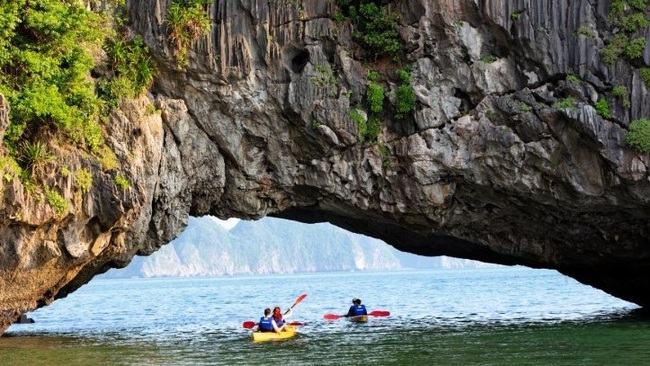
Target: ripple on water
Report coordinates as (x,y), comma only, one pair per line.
(451,318)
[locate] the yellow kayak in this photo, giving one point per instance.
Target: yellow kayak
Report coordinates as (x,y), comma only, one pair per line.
(358,318)
(288,332)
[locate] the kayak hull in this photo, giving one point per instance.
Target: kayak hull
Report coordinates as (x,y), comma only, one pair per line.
(358,318)
(289,332)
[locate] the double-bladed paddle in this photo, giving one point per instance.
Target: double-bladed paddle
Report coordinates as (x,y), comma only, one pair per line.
(372,313)
(249,324)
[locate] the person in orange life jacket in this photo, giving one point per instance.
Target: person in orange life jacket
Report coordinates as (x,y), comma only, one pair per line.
(356,308)
(268,324)
(279,318)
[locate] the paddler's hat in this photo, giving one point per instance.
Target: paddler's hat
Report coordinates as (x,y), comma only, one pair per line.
(355,300)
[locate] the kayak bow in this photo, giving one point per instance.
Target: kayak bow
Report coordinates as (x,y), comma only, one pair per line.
(288,332)
(358,318)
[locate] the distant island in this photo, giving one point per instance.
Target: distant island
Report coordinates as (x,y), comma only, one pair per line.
(209,248)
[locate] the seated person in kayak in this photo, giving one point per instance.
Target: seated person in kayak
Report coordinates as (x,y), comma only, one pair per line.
(278,317)
(268,324)
(356,309)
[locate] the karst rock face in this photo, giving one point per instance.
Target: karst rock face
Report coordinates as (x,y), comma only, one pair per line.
(488,166)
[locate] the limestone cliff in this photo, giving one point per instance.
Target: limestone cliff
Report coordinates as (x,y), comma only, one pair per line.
(504,159)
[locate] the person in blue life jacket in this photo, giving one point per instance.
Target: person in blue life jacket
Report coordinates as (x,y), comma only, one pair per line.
(268,324)
(357,309)
(279,318)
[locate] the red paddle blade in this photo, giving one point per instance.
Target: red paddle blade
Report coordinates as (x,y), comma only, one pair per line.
(249,324)
(331,316)
(296,324)
(380,313)
(299,299)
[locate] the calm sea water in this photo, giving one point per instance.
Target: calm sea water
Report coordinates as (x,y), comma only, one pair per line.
(503,316)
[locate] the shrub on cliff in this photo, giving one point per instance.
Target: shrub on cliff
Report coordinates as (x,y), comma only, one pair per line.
(405,97)
(375,97)
(46,54)
(49,50)
(186,21)
(602,108)
(626,18)
(638,135)
(374,28)
(132,69)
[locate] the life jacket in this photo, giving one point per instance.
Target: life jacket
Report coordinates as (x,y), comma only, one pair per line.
(277,316)
(265,324)
(279,321)
(358,310)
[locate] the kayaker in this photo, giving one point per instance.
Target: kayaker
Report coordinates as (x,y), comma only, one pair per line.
(279,318)
(357,309)
(268,324)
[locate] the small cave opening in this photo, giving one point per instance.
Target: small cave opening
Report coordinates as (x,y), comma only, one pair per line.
(295,58)
(466,103)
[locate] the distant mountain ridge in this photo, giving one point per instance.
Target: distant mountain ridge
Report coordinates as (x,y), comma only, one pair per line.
(273,245)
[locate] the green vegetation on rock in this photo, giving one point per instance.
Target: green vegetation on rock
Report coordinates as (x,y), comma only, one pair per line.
(602,108)
(645,76)
(373,128)
(122,181)
(132,67)
(634,22)
(488,59)
(385,155)
(573,79)
(375,97)
(635,47)
(325,79)
(585,31)
(405,97)
(187,21)
(566,103)
(628,19)
(48,49)
(638,135)
(622,94)
(374,28)
(58,91)
(361,121)
(83,180)
(34,156)
(46,54)
(56,201)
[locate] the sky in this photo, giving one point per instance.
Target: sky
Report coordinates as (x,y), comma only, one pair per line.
(226,224)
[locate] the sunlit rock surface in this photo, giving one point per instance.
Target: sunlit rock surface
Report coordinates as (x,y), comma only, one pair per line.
(485,168)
